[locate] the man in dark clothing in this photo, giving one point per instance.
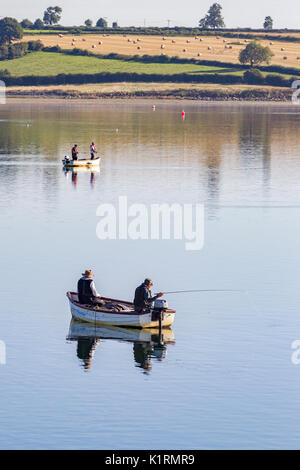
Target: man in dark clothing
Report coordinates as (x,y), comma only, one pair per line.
(75,152)
(87,293)
(143,298)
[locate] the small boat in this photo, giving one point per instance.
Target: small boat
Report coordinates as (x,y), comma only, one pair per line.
(121,313)
(85,162)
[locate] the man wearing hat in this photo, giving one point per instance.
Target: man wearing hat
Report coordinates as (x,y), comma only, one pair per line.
(87,292)
(143,298)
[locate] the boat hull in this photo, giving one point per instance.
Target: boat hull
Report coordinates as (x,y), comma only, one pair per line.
(81,163)
(124,318)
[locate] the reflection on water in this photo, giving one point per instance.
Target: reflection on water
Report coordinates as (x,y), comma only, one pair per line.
(74,172)
(148,343)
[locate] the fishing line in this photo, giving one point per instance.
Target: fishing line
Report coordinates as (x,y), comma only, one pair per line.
(218,290)
(204,290)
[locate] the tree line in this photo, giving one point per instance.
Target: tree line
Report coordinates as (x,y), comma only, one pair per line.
(212,20)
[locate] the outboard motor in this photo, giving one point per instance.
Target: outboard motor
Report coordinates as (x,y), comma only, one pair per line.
(158,310)
(66,160)
(160,304)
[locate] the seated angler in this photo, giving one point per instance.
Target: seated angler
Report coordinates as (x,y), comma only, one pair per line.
(143,298)
(87,293)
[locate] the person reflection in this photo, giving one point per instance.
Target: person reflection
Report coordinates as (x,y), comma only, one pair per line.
(74,178)
(144,352)
(142,355)
(92,180)
(85,351)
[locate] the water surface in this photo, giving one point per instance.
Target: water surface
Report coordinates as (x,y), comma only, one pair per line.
(225,379)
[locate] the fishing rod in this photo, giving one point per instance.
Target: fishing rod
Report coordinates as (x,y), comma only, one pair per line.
(216,290)
(204,290)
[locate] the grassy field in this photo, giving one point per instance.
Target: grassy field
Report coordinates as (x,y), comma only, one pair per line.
(210,47)
(51,63)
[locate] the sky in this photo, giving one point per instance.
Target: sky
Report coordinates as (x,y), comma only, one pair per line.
(286,14)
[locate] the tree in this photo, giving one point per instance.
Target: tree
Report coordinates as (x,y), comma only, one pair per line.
(255,54)
(268,24)
(52,15)
(38,24)
(115,25)
(10,29)
(88,23)
(101,23)
(214,18)
(26,24)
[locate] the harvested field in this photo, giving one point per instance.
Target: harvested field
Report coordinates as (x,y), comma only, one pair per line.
(210,47)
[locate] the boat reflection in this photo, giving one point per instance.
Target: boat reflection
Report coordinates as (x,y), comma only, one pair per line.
(148,343)
(74,172)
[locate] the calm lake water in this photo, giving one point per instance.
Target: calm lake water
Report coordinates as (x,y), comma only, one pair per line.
(225,377)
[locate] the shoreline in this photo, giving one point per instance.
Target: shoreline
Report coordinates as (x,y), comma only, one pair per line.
(170,91)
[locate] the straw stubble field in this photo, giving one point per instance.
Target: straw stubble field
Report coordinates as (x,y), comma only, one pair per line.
(205,47)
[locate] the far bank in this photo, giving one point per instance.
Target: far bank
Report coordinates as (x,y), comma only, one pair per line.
(206,92)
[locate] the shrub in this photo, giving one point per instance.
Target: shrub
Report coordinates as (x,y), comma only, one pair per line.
(277,80)
(52,49)
(38,24)
(17,50)
(35,45)
(4,74)
(3,52)
(254,77)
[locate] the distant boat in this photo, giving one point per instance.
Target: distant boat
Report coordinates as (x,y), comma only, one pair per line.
(124,317)
(85,162)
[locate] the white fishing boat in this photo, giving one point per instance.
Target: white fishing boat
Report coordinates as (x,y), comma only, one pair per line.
(121,313)
(85,162)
